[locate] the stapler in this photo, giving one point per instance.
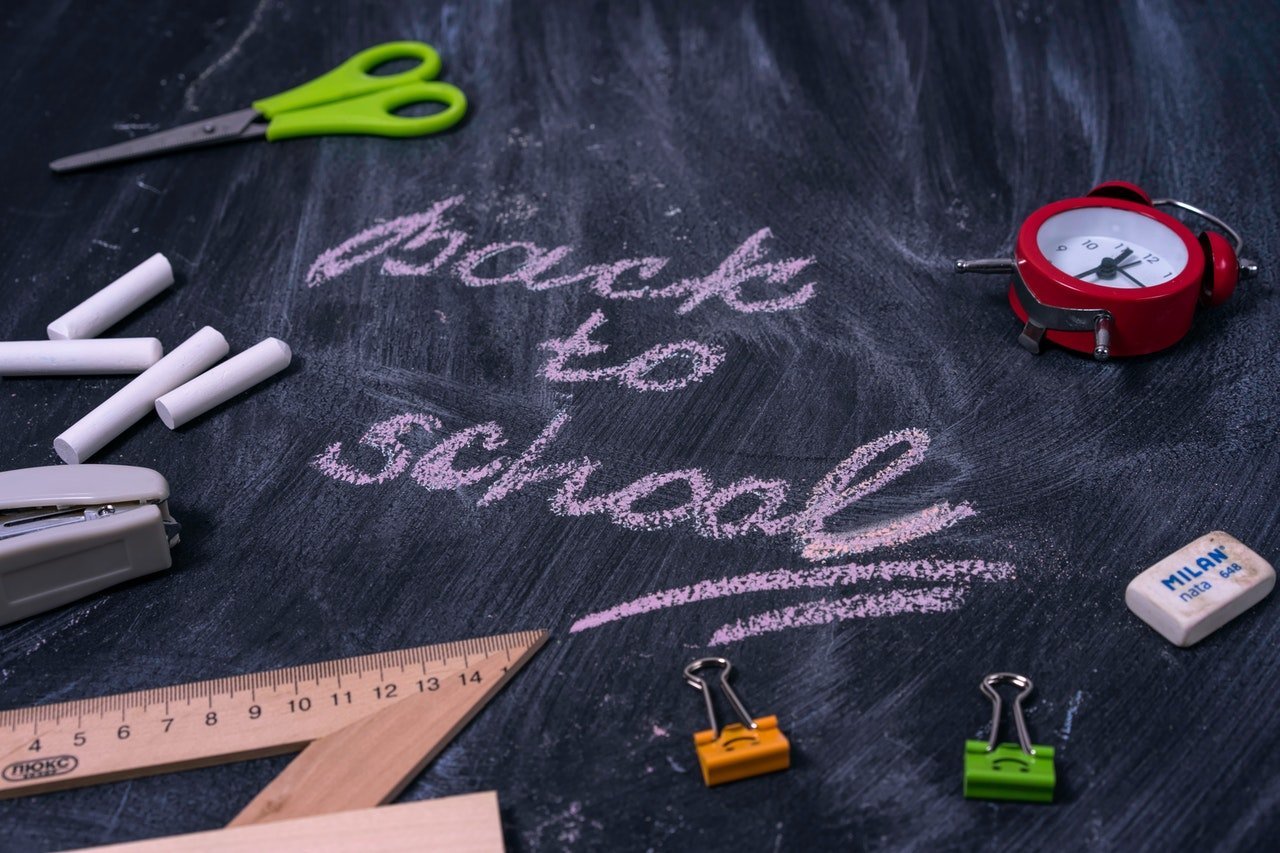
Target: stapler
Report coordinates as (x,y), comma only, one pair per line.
(70,530)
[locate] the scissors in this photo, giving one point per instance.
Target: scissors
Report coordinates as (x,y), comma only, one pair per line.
(346,100)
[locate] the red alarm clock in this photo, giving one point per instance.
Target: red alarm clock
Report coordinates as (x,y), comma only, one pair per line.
(1109,274)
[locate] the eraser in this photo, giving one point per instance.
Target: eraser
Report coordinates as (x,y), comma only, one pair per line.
(78,358)
(127,406)
(114,302)
(1200,587)
(219,384)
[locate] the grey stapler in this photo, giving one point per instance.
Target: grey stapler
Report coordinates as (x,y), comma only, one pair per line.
(70,530)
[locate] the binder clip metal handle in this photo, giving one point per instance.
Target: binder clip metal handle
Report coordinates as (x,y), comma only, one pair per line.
(988,687)
(1020,772)
(702,685)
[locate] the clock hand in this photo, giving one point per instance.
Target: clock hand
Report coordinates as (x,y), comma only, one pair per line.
(1122,272)
(1108,267)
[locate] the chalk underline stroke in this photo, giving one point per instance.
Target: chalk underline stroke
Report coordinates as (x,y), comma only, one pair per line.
(956,577)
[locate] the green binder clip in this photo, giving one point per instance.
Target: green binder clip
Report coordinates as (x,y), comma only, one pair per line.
(1008,771)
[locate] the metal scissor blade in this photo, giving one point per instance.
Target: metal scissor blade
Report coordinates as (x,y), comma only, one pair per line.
(241,124)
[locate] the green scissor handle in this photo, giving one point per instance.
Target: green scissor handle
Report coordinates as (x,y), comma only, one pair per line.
(373,114)
(352,78)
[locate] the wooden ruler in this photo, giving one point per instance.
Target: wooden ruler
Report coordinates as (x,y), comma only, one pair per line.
(69,744)
(468,823)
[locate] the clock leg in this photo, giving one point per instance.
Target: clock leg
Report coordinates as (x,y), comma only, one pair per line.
(1102,337)
(1032,338)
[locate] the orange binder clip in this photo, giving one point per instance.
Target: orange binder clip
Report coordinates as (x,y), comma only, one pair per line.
(741,750)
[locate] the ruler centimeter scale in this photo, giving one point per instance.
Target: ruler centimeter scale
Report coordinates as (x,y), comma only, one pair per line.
(107,738)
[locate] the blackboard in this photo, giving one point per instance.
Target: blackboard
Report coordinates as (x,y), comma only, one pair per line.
(876,142)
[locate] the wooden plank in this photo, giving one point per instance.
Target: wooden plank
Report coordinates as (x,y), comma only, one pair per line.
(369,762)
(469,823)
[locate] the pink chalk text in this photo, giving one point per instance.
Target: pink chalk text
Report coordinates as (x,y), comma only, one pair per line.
(689,496)
(429,243)
(711,504)
(697,360)
(950,581)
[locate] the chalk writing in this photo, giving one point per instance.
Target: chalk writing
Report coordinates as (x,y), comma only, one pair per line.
(931,600)
(697,359)
(383,436)
(955,575)
(402,244)
(431,243)
(687,496)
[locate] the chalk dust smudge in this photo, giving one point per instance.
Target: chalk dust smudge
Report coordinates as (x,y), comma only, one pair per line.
(1072,709)
(255,19)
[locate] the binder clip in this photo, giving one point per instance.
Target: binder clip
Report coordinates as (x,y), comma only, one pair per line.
(741,750)
(1008,771)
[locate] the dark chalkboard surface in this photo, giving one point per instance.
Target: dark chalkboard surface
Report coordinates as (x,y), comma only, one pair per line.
(876,142)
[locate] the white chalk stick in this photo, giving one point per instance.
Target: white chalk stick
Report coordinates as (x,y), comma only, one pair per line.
(219,384)
(78,358)
(127,406)
(114,302)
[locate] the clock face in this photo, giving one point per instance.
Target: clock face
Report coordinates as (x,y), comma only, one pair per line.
(1111,247)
